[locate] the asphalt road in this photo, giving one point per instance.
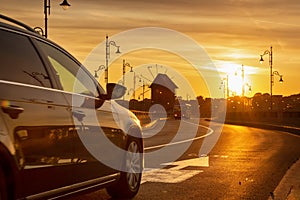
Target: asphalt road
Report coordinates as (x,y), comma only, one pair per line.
(244,162)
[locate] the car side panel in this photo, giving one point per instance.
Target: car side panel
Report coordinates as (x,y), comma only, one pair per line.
(42,133)
(97,136)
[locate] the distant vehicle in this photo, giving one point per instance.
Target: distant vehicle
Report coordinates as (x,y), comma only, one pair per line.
(182,110)
(47,111)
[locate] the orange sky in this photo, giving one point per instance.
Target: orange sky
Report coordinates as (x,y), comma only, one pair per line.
(233,33)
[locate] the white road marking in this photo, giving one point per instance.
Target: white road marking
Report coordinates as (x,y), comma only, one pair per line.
(175,174)
(168,175)
(194,162)
(178,173)
(210,131)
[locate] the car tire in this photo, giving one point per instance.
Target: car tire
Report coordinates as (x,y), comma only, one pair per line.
(3,188)
(130,179)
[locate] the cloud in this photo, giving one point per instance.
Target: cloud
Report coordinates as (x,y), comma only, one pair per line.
(224,28)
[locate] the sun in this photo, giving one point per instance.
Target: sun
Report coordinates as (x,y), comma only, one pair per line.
(235,84)
(236,77)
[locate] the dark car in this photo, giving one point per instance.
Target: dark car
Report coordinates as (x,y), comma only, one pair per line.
(182,110)
(60,132)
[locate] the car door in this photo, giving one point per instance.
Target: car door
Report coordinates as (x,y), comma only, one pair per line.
(36,116)
(93,119)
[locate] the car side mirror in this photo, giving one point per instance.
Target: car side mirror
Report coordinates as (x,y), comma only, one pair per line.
(115,91)
(92,102)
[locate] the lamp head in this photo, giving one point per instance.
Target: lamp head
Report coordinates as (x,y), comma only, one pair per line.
(118,50)
(65,5)
(280,80)
(261,59)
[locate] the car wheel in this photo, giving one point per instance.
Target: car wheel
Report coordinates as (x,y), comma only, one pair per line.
(3,189)
(129,182)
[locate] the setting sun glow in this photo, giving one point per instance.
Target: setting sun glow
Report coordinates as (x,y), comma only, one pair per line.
(232,34)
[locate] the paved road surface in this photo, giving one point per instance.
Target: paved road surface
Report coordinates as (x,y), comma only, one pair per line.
(246,163)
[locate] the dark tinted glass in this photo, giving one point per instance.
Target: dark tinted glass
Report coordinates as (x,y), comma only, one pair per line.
(72,77)
(19,61)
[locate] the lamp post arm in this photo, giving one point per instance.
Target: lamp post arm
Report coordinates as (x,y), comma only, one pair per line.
(266,52)
(125,64)
(113,43)
(276,73)
(99,68)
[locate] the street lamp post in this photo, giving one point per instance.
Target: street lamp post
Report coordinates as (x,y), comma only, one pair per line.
(108,43)
(144,91)
(134,82)
(243,79)
(244,83)
(244,99)
(125,64)
(65,5)
(270,53)
(224,83)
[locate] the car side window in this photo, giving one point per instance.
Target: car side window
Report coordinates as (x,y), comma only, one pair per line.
(20,61)
(70,75)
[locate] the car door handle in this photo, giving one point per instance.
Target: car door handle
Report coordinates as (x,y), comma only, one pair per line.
(12,110)
(78,114)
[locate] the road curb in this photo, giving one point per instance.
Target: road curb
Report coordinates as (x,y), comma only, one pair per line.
(289,186)
(294,130)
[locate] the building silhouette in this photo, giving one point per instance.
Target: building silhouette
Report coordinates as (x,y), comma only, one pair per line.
(163,91)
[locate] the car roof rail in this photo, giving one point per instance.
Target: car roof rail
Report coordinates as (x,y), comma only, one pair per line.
(16,22)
